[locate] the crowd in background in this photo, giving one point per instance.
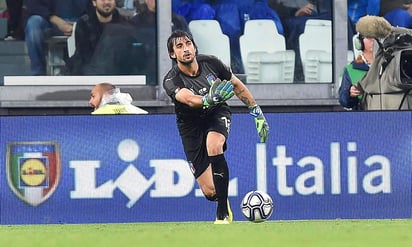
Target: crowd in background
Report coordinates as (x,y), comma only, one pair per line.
(110,36)
(36,20)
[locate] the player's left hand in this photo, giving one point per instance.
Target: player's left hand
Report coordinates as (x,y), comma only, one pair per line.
(225,90)
(262,125)
(219,92)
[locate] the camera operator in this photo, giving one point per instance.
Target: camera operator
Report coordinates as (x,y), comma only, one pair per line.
(388,84)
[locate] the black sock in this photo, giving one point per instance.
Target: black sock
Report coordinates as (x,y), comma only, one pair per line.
(220,172)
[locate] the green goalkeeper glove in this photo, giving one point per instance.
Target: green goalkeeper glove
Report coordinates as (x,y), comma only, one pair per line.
(262,125)
(219,92)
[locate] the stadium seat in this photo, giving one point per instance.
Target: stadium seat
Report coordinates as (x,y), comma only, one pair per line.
(71,42)
(56,48)
(318,66)
(270,67)
(264,55)
(210,39)
(315,47)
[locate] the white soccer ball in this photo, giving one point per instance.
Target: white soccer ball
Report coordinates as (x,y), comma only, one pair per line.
(257,206)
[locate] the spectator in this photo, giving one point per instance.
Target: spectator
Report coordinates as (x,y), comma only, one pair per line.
(147,17)
(89,29)
(105,98)
(294,15)
(388,5)
(401,17)
(349,94)
(359,8)
(286,9)
(145,21)
(126,8)
(261,10)
(15,23)
(47,18)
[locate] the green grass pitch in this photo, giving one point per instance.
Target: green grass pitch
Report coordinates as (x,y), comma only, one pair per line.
(329,233)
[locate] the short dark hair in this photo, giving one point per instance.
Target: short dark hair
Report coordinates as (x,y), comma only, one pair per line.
(174,36)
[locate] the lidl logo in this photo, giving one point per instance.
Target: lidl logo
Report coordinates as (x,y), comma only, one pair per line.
(33,170)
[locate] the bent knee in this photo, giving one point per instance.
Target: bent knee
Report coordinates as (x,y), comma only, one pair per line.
(35,21)
(210,194)
(215,149)
(211,197)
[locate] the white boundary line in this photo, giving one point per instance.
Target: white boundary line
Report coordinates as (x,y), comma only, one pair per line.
(73,80)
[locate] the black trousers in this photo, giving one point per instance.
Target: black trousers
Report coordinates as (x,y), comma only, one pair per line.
(15,9)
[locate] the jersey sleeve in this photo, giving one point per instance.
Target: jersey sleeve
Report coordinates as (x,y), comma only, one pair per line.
(224,72)
(170,84)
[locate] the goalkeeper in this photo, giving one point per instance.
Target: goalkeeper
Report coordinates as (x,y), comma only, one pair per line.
(199,86)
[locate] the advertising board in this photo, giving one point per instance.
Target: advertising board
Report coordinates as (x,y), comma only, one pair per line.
(108,169)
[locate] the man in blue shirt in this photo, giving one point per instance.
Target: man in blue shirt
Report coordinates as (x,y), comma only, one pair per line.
(56,16)
(90,31)
(359,8)
(401,17)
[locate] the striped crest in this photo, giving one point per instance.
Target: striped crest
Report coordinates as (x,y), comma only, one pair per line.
(33,170)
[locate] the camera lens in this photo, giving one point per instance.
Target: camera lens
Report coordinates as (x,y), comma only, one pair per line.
(406,66)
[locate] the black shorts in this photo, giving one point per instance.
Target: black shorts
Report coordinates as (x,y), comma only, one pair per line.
(194,132)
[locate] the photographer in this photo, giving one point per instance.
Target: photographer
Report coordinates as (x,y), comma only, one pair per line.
(388,84)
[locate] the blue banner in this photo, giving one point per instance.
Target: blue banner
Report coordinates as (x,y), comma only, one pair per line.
(102,169)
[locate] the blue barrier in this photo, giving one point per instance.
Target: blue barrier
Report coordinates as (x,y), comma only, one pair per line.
(103,169)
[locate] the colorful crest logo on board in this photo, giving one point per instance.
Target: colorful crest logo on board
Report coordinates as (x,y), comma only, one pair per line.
(33,170)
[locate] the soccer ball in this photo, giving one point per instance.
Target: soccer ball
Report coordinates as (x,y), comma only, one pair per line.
(257,206)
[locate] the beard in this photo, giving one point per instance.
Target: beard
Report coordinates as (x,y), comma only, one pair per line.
(187,62)
(104,13)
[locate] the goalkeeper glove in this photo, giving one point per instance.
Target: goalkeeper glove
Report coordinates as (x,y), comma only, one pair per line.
(262,125)
(219,92)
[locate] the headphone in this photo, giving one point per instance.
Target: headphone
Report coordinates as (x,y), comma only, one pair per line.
(358,42)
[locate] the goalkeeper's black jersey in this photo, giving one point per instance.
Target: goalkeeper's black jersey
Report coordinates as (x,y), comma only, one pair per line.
(210,68)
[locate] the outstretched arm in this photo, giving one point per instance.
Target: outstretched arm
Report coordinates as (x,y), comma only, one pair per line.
(187,97)
(243,93)
(219,92)
(63,25)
